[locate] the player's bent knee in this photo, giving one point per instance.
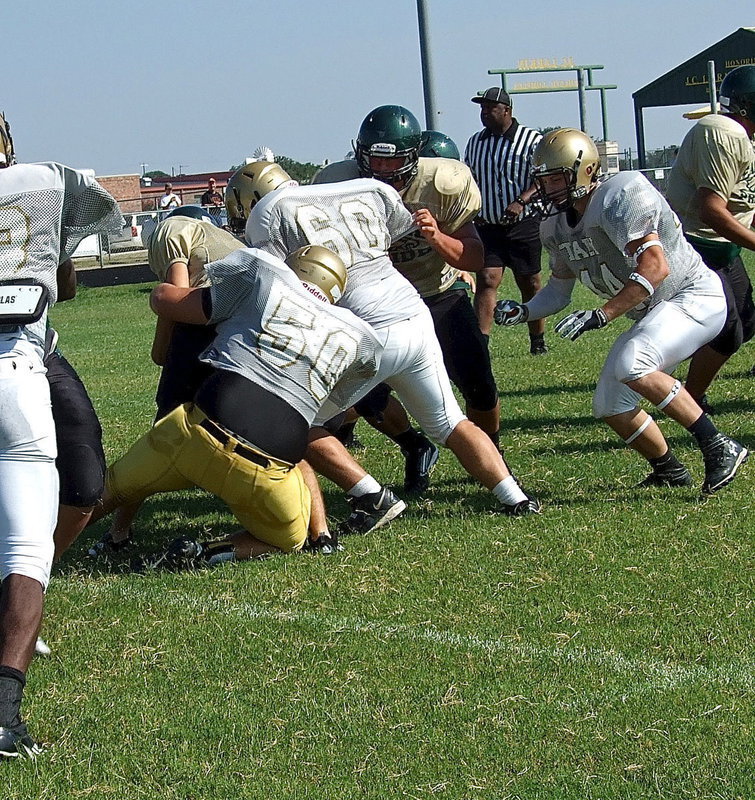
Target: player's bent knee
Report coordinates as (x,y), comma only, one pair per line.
(32,561)
(481,396)
(82,476)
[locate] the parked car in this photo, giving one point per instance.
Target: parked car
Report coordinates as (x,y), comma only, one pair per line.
(130,237)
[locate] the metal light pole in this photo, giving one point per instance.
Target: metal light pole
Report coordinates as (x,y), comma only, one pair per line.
(428,88)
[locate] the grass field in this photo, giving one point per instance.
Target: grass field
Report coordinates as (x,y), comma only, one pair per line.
(602,650)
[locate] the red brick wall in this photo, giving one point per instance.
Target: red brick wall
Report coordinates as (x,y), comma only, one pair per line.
(126,189)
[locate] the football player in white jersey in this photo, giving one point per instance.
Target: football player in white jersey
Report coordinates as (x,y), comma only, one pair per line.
(360,219)
(389,148)
(45,211)
(621,239)
(280,350)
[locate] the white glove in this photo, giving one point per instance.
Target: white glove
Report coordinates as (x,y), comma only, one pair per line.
(576,323)
(509,312)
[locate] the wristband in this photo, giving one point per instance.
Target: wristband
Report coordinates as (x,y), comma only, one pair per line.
(521,201)
(643,281)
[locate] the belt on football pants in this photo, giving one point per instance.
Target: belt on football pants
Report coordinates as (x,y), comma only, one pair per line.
(240,449)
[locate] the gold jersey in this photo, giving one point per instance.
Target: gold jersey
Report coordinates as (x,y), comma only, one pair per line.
(191,241)
(447,189)
(718,155)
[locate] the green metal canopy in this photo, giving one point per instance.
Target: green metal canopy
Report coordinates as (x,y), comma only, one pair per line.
(688,83)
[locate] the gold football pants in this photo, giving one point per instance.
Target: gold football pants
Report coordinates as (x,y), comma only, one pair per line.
(271,502)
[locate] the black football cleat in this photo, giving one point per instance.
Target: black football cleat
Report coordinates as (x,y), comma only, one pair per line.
(529,505)
(183,553)
(326,544)
(675,476)
(16,743)
(420,461)
(107,548)
(372,511)
(538,348)
(722,457)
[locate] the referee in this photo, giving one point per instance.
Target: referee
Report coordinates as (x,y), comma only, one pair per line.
(499,157)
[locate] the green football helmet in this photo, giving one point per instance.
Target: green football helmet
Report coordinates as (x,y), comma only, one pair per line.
(389,132)
(737,93)
(437,145)
(7,154)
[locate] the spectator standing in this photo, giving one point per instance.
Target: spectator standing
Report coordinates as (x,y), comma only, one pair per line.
(170,199)
(212,199)
(499,157)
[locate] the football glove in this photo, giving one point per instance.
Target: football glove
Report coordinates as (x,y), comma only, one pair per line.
(509,312)
(576,323)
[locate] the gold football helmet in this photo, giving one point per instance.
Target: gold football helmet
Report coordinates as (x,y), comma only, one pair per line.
(570,153)
(7,155)
(249,184)
(320,270)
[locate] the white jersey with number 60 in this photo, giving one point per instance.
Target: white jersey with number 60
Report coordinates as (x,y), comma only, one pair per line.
(357,219)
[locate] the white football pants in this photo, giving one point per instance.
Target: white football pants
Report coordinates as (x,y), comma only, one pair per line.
(28,478)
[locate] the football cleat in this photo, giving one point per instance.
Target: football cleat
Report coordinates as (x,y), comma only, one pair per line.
(16,743)
(41,648)
(538,347)
(326,544)
(722,457)
(420,461)
(372,511)
(675,476)
(529,505)
(182,553)
(107,548)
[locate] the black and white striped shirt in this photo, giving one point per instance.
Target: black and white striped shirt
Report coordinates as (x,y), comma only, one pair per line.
(501,167)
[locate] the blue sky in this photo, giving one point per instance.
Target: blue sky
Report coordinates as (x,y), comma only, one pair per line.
(200,85)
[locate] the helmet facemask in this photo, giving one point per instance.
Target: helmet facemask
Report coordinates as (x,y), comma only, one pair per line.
(399,177)
(7,153)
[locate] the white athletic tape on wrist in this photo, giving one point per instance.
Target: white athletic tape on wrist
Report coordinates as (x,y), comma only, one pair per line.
(643,281)
(639,430)
(675,389)
(643,247)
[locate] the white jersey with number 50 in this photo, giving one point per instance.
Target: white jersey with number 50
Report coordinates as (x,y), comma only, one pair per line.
(357,219)
(274,333)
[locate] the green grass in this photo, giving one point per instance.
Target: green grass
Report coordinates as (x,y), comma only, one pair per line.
(602,650)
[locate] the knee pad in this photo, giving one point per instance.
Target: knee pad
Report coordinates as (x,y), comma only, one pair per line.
(81,469)
(374,403)
(480,395)
(639,357)
(612,397)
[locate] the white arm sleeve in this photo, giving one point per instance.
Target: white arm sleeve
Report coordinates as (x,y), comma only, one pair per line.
(555,295)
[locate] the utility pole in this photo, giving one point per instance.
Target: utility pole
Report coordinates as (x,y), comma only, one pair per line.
(428,88)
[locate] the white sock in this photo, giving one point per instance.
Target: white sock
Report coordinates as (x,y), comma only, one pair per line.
(368,485)
(508,492)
